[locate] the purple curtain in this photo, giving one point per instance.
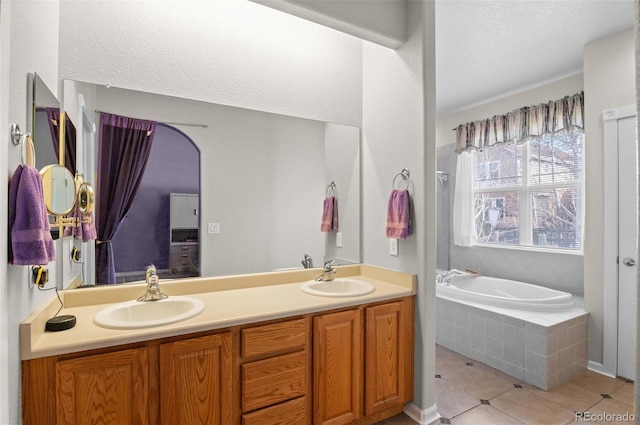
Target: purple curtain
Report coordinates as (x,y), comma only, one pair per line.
(70,145)
(125,145)
(53,117)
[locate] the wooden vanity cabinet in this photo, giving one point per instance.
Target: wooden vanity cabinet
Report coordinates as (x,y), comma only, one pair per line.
(363,363)
(196,381)
(349,366)
(388,356)
(337,367)
(158,382)
(103,388)
(275,373)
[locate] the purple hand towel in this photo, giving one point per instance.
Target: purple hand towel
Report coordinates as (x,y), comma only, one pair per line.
(329,214)
(29,230)
(89,232)
(399,225)
(86,229)
(75,231)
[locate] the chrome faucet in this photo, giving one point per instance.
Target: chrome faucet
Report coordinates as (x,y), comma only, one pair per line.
(153,286)
(445,278)
(307,263)
(328,272)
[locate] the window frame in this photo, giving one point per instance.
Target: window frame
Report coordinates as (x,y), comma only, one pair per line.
(526,190)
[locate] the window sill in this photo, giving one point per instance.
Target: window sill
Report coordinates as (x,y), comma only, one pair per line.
(530,248)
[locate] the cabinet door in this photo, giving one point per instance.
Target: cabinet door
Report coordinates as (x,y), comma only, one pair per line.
(389,354)
(110,388)
(184,211)
(196,381)
(337,368)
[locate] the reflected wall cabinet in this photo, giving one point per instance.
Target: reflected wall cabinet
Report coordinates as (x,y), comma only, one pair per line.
(185,234)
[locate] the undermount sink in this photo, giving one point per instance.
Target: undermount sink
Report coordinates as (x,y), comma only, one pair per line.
(342,287)
(137,314)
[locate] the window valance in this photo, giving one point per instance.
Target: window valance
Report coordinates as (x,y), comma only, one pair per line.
(522,124)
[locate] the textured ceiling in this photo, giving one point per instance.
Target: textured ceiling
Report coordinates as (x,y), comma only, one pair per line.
(490,49)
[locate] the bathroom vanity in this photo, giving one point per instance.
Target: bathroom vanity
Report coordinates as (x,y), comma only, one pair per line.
(261,352)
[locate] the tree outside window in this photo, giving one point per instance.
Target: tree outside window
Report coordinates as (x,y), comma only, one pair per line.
(530,194)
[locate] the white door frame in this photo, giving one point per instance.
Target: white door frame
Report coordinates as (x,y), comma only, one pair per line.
(610,119)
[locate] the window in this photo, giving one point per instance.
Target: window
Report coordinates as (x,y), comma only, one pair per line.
(530,194)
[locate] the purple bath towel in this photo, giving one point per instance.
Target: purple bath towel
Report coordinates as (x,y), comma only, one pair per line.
(29,232)
(329,214)
(399,220)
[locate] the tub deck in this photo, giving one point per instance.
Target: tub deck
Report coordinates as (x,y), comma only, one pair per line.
(542,348)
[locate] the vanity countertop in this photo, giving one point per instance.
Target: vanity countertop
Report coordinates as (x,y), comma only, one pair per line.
(229,301)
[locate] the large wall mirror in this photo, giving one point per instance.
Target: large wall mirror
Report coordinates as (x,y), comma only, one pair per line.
(43,115)
(250,186)
(44,124)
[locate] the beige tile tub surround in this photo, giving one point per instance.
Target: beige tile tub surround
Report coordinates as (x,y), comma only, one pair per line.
(229,300)
(542,349)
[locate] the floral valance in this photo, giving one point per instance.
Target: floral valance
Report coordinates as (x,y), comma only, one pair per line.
(522,124)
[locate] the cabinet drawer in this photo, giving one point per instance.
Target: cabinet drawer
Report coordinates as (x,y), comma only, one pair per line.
(274,380)
(178,250)
(278,337)
(287,413)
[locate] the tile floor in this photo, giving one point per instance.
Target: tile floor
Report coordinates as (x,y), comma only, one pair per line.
(470,393)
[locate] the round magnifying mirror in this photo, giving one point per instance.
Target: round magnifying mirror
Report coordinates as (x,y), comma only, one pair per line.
(85,198)
(59,189)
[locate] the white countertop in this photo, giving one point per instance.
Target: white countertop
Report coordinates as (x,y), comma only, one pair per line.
(229,301)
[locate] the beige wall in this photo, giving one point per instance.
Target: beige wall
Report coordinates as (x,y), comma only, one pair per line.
(609,82)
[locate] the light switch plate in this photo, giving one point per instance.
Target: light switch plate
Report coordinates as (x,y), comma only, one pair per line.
(339,239)
(393,247)
(213,228)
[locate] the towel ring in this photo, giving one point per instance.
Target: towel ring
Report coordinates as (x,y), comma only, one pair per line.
(331,189)
(18,138)
(405,174)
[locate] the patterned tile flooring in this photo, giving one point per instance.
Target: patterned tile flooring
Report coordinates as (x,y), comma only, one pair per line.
(470,393)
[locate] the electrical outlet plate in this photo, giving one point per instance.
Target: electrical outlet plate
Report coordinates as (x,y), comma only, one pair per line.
(213,228)
(45,277)
(393,247)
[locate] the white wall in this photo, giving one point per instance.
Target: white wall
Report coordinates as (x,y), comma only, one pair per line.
(561,271)
(240,54)
(31,50)
(6,383)
(382,22)
(399,132)
(225,51)
(609,82)
(342,165)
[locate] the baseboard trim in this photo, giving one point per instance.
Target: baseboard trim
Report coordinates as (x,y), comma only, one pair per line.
(427,416)
(599,368)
